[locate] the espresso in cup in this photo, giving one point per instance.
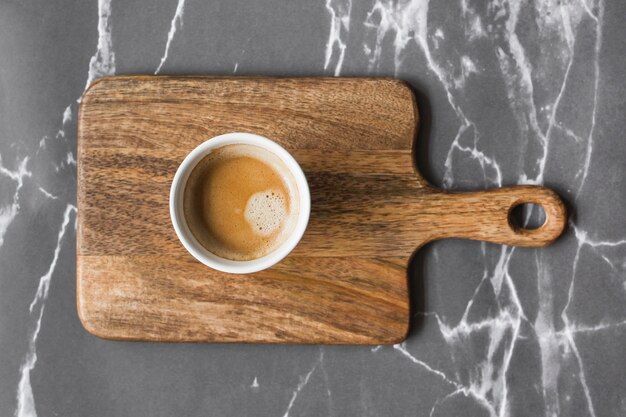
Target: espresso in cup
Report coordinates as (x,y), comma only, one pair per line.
(241,202)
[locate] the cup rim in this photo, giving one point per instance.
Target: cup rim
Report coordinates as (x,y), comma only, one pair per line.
(180,224)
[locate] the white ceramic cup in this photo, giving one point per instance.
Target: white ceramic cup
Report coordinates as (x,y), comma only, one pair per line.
(180,224)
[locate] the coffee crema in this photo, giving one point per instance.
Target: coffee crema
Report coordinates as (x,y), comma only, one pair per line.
(241,202)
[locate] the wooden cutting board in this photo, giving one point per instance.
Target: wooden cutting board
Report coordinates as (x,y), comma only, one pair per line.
(345,283)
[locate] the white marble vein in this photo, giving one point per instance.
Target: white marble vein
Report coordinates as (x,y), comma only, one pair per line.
(596,73)
(303,383)
(440,401)
(25,400)
(401,347)
(549,342)
(406,23)
(67,115)
(102,63)
(337,36)
(403,25)
(8,212)
(329,394)
(177,21)
(517,72)
(47,194)
(60,135)
(582,328)
(581,371)
(459,388)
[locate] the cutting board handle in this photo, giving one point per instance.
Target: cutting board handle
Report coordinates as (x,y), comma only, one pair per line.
(486,215)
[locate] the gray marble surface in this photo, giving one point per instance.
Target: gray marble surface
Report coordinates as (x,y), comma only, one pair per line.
(510,92)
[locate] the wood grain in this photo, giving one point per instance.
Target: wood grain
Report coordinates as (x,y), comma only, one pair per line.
(301,300)
(346,281)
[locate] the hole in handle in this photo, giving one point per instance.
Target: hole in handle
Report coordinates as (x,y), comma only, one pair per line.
(528,216)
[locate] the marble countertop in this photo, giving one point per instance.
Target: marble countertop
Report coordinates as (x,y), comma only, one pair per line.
(509,92)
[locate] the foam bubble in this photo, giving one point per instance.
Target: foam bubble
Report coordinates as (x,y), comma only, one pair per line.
(266,211)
